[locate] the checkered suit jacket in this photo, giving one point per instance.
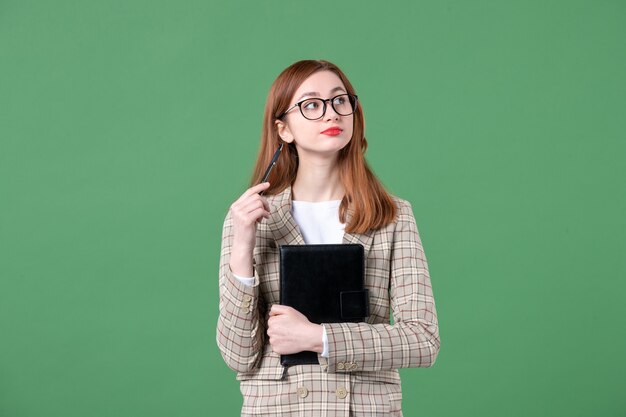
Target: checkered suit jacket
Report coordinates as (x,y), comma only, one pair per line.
(360,377)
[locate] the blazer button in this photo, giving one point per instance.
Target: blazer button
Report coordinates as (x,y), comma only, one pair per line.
(341,366)
(341,393)
(247,298)
(302,392)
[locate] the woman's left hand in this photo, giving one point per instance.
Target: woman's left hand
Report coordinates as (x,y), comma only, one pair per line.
(291,332)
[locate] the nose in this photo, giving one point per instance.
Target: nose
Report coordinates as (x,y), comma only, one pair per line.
(330,111)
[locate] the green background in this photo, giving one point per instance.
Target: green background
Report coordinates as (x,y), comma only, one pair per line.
(127,128)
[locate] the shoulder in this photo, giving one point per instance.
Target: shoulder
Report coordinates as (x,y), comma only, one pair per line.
(405,219)
(404,208)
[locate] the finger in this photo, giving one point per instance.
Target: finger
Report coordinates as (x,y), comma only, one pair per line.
(251,205)
(279,309)
(254,190)
(266,205)
(250,215)
(242,208)
(256,215)
(275,309)
(261,199)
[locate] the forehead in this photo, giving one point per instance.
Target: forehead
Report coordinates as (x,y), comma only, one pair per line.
(322,83)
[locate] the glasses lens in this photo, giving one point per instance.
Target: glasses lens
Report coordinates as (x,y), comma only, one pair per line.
(344,104)
(312,109)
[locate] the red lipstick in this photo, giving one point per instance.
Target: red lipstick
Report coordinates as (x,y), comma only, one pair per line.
(332,131)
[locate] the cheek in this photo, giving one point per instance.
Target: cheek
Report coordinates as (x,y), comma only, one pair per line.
(300,131)
(350,131)
(350,126)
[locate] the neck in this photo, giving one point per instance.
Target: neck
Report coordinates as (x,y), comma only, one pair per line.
(317,181)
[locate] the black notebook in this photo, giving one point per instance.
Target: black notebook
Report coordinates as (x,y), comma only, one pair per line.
(326,283)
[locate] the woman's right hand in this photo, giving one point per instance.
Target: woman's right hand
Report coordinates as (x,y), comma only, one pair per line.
(246,212)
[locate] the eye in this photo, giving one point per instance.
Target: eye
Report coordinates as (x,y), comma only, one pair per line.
(310,105)
(339,100)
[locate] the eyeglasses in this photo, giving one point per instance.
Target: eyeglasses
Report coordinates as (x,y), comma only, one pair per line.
(315,108)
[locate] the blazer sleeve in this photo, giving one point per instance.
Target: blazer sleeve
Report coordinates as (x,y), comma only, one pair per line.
(413,339)
(240,328)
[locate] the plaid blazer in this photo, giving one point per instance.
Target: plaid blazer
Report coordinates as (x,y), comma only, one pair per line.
(360,376)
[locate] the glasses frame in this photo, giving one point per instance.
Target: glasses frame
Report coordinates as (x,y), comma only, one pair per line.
(324,101)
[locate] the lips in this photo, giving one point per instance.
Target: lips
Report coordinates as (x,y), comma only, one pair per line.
(332,131)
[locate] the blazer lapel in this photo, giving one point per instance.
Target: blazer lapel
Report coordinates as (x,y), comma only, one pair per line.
(364,239)
(281,222)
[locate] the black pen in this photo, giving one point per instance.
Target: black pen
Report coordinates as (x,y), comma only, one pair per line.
(272,163)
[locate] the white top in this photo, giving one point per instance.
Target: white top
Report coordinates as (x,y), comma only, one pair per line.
(318,223)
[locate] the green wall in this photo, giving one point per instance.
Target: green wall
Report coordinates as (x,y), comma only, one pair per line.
(128,127)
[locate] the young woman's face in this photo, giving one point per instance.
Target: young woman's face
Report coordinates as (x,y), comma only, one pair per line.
(326,135)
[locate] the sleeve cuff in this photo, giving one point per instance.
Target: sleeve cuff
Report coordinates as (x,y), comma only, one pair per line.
(325,352)
(247,281)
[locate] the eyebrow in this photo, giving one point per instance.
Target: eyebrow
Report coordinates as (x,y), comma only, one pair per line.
(316,94)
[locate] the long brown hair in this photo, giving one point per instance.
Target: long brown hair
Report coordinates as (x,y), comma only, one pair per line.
(370,206)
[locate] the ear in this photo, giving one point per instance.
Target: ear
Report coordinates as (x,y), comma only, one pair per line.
(283,131)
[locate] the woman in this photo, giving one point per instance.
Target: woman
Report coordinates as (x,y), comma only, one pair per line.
(321,191)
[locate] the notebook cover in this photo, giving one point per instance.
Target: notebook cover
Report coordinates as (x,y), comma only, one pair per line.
(326,283)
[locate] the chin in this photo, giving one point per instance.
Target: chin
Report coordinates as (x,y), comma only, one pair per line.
(329,146)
